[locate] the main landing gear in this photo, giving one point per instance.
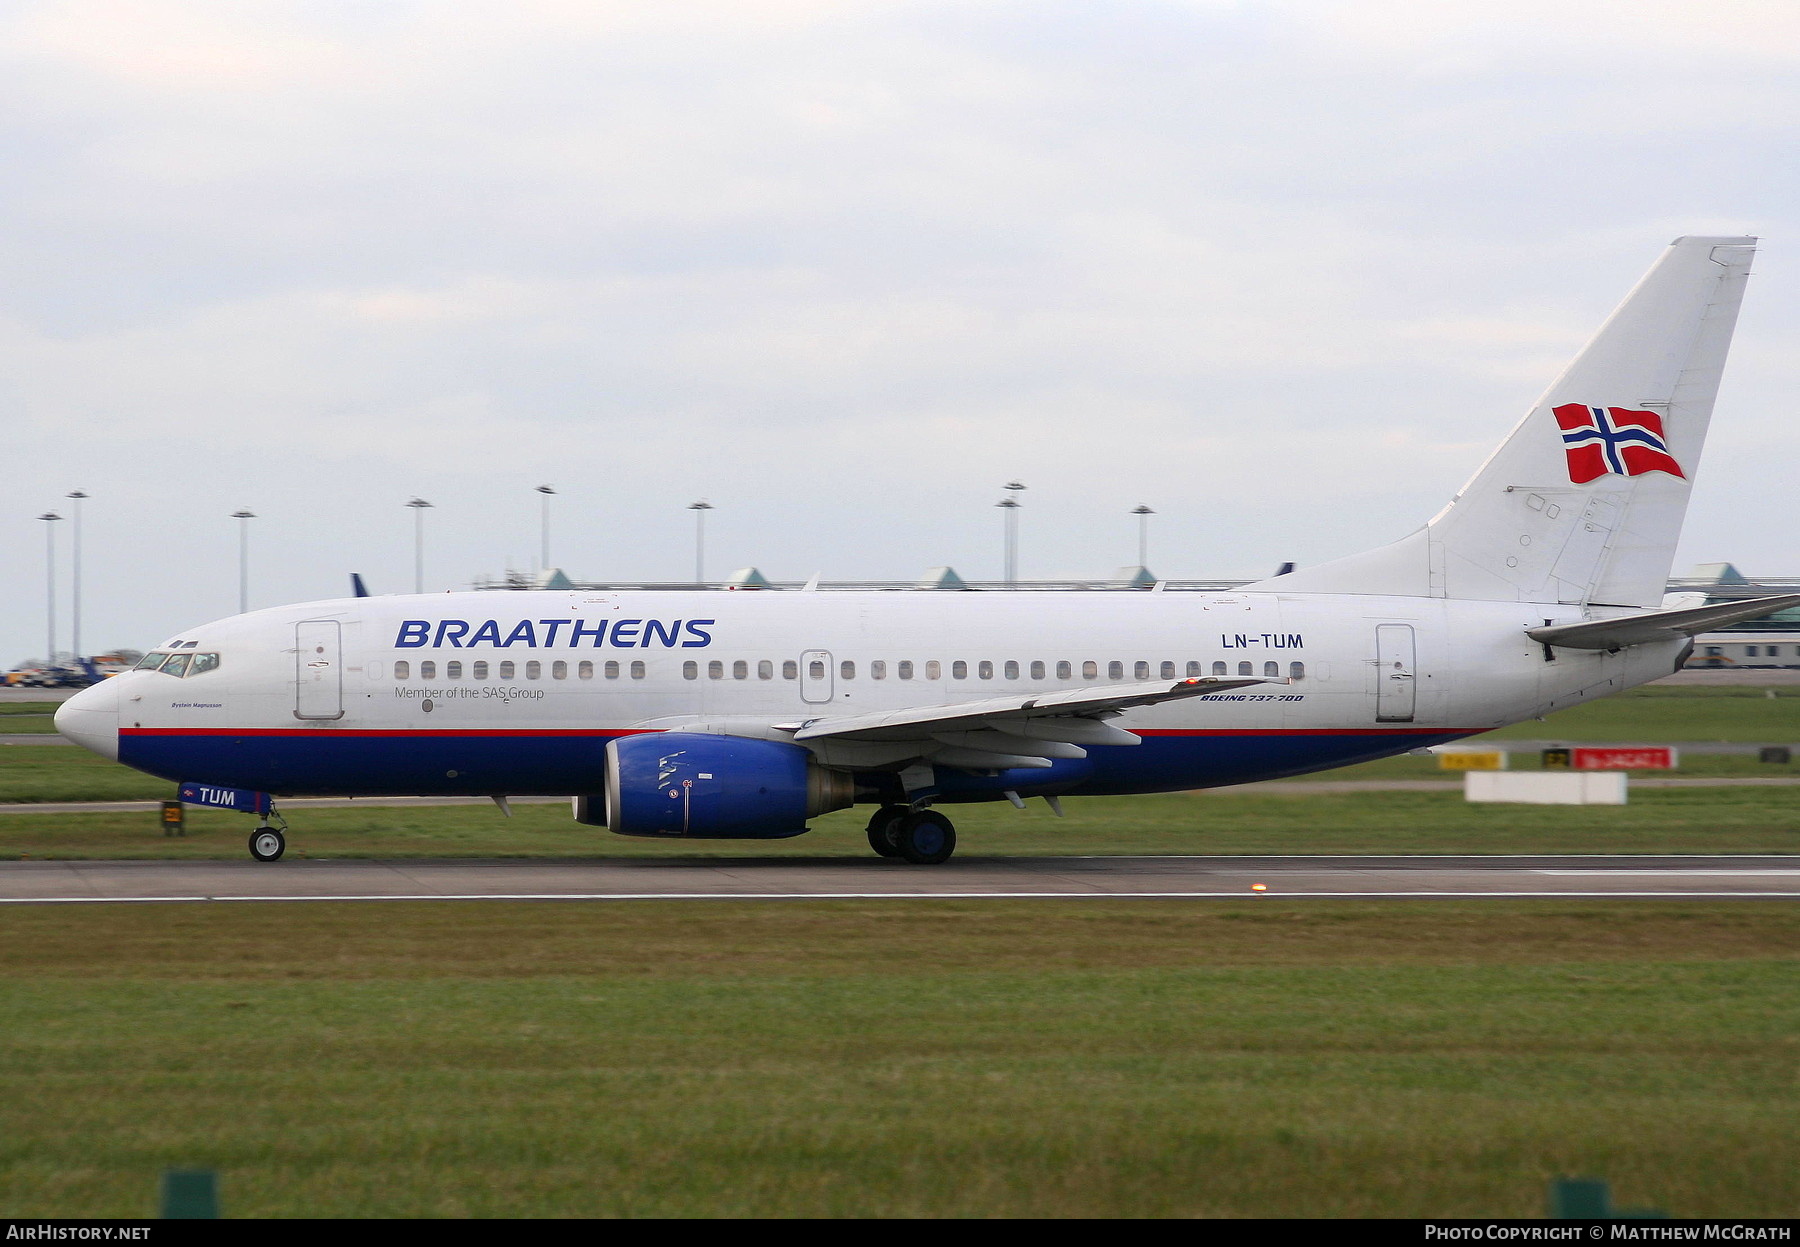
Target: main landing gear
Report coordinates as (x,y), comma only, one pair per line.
(922,837)
(267,843)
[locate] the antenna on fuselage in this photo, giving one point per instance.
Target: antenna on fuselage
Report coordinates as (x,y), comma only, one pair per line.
(357,588)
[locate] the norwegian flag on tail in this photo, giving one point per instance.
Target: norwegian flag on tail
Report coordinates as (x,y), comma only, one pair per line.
(1613,440)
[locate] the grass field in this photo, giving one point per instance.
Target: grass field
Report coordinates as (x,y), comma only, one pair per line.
(942,1058)
(1711,820)
(27,716)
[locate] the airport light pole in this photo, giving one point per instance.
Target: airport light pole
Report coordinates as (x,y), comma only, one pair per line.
(544,553)
(50,518)
(1143,513)
(75,495)
(419,507)
(1010,504)
(700,509)
(243,518)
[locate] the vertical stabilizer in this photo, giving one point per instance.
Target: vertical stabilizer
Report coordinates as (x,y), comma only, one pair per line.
(1583,503)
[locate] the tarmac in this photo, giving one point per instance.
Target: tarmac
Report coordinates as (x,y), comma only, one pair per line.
(964,878)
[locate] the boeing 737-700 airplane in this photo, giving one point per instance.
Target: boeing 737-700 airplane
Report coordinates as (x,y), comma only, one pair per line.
(742,715)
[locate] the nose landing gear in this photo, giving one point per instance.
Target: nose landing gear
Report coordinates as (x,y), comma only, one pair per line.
(267,843)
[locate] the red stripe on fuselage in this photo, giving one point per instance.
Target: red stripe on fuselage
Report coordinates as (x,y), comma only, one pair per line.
(635,731)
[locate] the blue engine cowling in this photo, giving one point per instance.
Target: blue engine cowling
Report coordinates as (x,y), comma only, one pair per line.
(716,787)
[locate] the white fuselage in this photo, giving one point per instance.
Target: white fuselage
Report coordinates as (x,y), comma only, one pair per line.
(515,693)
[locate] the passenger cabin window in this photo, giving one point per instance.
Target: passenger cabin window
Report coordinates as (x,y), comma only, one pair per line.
(1011,670)
(559,670)
(1140,670)
(740,670)
(815,670)
(1115,670)
(1218,669)
(847,669)
(1065,671)
(1296,671)
(453,671)
(1168,671)
(402,670)
(1037,670)
(479,669)
(1243,668)
(984,670)
(637,670)
(612,670)
(506,669)
(1090,670)
(428,670)
(765,670)
(1271,670)
(790,670)
(690,670)
(877,669)
(1193,670)
(933,670)
(715,670)
(905,668)
(959,670)
(585,670)
(533,669)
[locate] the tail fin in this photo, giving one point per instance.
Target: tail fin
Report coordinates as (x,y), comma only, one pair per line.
(1583,503)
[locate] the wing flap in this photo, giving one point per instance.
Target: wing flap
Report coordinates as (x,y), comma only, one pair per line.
(1011,714)
(1614,634)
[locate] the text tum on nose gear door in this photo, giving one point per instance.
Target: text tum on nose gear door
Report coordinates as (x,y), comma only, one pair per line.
(815,676)
(1395,690)
(318,670)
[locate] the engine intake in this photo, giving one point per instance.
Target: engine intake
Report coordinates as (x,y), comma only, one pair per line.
(717,787)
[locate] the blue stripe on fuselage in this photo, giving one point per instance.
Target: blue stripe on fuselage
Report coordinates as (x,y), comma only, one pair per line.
(522,764)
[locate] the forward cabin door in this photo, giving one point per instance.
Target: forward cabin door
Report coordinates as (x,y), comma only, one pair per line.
(318,669)
(815,676)
(1396,692)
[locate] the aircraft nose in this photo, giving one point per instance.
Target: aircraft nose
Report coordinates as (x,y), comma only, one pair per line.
(91,719)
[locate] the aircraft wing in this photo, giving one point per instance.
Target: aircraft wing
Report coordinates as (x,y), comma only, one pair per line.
(1615,634)
(1001,732)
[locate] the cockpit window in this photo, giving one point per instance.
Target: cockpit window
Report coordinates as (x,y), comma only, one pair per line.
(178,665)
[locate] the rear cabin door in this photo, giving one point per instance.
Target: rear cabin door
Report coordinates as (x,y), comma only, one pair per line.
(318,669)
(1395,690)
(815,676)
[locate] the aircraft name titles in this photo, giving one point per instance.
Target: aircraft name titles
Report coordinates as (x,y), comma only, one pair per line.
(612,633)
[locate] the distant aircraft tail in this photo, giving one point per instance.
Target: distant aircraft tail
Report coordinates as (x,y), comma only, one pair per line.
(1583,503)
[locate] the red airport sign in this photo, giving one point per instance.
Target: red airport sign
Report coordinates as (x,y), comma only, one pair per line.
(1641,758)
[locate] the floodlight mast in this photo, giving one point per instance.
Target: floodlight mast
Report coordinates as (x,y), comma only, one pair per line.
(419,507)
(243,518)
(1010,504)
(700,509)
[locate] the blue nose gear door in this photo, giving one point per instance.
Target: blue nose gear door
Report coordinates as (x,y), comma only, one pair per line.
(318,669)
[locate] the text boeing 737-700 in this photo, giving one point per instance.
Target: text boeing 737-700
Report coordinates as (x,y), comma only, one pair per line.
(742,715)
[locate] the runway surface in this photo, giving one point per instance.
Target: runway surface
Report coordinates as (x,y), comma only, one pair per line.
(1733,877)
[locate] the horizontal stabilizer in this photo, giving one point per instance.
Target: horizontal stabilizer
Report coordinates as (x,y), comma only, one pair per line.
(1613,634)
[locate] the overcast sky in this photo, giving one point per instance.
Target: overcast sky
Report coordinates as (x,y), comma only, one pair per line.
(1283,270)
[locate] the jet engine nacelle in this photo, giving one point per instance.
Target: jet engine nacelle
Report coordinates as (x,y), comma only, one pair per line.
(717,787)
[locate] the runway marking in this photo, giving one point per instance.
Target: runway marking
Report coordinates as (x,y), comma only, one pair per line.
(1624,872)
(1233,894)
